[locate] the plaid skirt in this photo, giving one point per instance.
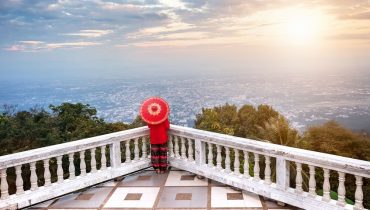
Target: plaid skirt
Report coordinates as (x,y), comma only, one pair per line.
(159,156)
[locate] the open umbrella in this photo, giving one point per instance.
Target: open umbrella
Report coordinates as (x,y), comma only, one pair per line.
(154,110)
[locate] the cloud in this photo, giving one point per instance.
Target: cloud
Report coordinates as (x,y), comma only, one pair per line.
(90,33)
(169,28)
(35,46)
(132,22)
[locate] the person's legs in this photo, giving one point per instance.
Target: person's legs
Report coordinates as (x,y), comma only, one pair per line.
(155,156)
(163,157)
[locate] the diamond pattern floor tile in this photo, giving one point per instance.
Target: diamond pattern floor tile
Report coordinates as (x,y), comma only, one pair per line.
(183,197)
(91,198)
(225,197)
(184,178)
(141,197)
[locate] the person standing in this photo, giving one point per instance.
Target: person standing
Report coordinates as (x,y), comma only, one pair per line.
(154,111)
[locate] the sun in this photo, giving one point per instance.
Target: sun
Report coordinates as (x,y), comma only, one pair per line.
(301,27)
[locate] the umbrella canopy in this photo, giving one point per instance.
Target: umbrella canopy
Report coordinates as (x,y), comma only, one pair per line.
(154,110)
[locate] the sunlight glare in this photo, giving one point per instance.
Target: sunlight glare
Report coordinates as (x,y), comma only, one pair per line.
(302,27)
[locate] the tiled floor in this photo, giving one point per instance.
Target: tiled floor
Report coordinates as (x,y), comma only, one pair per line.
(148,190)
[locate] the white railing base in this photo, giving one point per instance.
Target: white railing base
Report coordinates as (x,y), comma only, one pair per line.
(68,186)
(258,187)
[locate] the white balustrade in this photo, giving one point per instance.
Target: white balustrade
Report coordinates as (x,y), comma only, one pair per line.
(341,189)
(312,181)
(103,159)
(136,149)
(326,185)
(47,173)
(4,185)
(298,178)
(170,146)
(218,158)
(227,160)
(21,198)
(82,163)
(177,154)
(59,169)
(144,149)
(246,164)
(256,170)
(19,180)
(284,156)
(267,170)
(71,167)
(236,162)
(128,152)
(33,178)
(210,155)
(93,160)
(359,195)
(190,150)
(281,191)
(183,148)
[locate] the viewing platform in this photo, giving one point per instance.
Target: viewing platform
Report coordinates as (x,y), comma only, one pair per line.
(207,173)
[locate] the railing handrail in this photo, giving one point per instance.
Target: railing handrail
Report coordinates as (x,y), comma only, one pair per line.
(33,155)
(338,163)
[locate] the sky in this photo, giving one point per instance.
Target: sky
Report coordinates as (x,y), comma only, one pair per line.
(68,38)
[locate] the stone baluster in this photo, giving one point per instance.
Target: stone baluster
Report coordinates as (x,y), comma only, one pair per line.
(128,152)
(82,163)
(298,178)
(177,154)
(341,189)
(267,170)
(256,167)
(4,185)
(190,150)
(144,148)
(103,158)
(326,185)
(33,178)
(236,162)
(71,166)
(227,160)
(183,148)
(93,160)
(312,181)
(246,164)
(47,173)
(218,158)
(170,146)
(136,149)
(210,155)
(359,195)
(19,180)
(59,169)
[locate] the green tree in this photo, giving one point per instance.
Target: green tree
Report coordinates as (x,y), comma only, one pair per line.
(278,131)
(221,119)
(335,139)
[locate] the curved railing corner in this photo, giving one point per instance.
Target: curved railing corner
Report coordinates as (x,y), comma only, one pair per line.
(223,158)
(45,173)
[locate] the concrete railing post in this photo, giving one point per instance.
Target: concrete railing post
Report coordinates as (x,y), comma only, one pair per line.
(282,173)
(200,152)
(115,154)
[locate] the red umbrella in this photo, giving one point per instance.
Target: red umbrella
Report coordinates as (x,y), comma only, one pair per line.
(154,110)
